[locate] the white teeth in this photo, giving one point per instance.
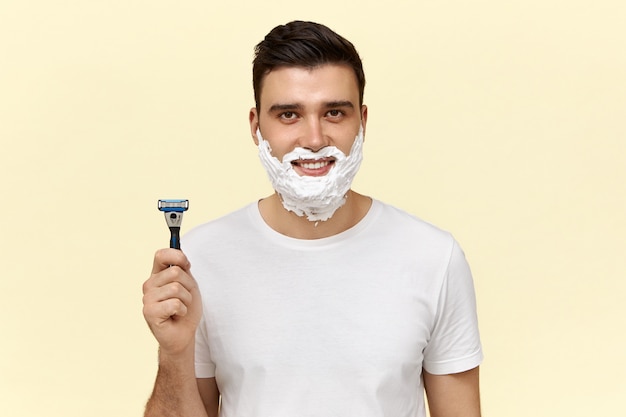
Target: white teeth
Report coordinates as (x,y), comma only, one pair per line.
(314,165)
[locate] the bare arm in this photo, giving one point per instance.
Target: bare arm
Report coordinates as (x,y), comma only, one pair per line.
(454,395)
(176,391)
(210,395)
(172,309)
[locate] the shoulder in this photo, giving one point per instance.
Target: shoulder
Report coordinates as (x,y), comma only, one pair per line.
(410,227)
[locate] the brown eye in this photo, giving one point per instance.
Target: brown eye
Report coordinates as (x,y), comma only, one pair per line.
(334,113)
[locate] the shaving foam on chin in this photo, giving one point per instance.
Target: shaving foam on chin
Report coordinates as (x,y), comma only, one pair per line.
(317,198)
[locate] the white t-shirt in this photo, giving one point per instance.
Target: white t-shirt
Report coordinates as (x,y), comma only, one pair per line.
(339,326)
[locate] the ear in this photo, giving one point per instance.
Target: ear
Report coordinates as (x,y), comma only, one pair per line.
(253,118)
(364,119)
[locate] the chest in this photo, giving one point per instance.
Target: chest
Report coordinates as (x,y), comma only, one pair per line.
(353,317)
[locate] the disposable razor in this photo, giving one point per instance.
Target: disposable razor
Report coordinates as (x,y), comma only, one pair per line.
(173,210)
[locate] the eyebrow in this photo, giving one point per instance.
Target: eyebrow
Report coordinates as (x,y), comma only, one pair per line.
(339,103)
(285,107)
(297,106)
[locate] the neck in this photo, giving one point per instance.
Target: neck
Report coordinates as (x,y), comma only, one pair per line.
(292,225)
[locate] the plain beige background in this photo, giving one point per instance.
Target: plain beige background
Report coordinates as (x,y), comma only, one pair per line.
(501,121)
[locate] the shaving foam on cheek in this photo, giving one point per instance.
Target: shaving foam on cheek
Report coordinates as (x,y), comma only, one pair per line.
(317,198)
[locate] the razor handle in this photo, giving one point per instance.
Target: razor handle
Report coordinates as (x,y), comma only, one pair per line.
(175,237)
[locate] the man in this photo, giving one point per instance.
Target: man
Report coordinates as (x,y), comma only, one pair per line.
(317,300)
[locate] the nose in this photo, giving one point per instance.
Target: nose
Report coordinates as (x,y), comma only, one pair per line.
(313,137)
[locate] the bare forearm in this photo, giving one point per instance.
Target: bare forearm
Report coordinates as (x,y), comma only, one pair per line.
(453,395)
(175,391)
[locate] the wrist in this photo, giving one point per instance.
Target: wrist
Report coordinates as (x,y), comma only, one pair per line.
(177,357)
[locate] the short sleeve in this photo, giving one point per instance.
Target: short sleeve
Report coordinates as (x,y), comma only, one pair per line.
(455,341)
(205,368)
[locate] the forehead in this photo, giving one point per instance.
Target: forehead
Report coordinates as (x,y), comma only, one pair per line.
(329,82)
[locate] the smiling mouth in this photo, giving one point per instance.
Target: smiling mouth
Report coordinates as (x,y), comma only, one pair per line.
(313,165)
(321,165)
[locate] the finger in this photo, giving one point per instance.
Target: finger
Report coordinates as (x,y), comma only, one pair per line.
(164,258)
(169,275)
(159,298)
(173,290)
(159,314)
(174,308)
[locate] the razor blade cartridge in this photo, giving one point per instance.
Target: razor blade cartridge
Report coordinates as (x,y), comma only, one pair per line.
(173,205)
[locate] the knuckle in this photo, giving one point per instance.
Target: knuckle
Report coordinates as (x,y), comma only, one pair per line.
(173,307)
(175,270)
(178,304)
(146,286)
(158,255)
(174,274)
(174,289)
(148,299)
(181,308)
(166,256)
(148,312)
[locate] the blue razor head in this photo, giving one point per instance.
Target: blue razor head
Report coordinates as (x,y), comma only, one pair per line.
(173,205)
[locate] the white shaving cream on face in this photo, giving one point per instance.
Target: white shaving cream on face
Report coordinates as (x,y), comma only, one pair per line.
(317,198)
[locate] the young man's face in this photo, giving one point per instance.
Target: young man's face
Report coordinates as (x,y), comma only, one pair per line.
(309,108)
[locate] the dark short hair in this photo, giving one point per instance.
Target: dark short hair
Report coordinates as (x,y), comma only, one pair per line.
(303,44)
